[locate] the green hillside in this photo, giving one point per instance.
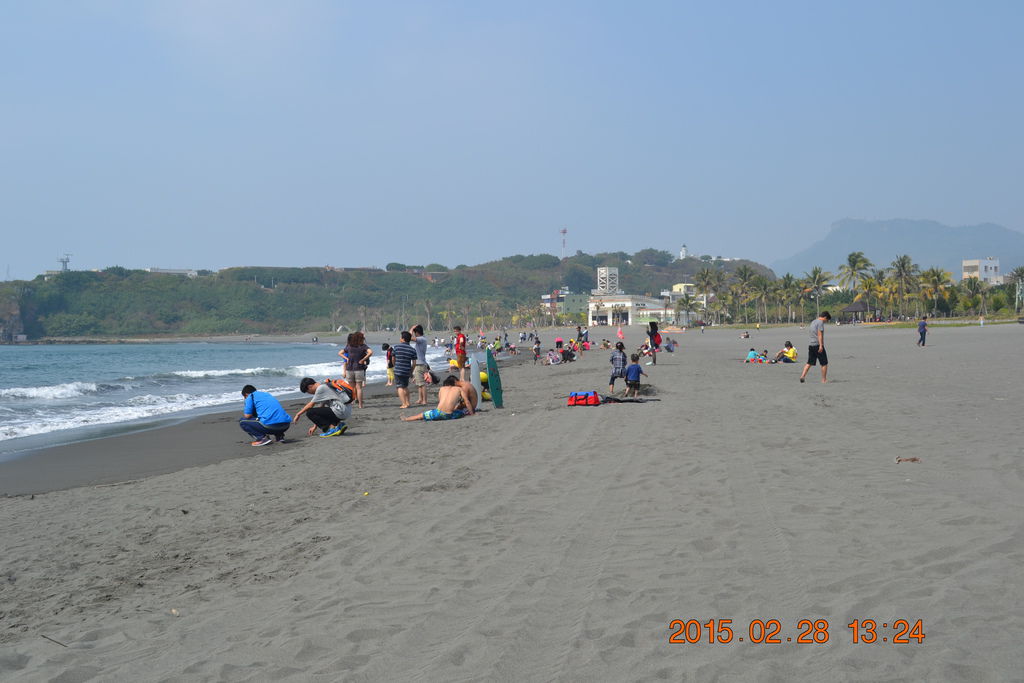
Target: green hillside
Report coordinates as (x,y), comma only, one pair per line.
(122,302)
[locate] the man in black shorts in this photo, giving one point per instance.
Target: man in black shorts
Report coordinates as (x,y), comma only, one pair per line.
(816,350)
(405,360)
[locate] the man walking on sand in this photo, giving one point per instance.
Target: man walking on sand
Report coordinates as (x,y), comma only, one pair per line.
(419,342)
(405,359)
(816,350)
(922,329)
(449,397)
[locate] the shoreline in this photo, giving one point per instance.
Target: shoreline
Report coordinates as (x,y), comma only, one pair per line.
(151,450)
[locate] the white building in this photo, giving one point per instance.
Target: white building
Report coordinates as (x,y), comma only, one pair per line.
(986,270)
(187,272)
(626,309)
(683,252)
(679,291)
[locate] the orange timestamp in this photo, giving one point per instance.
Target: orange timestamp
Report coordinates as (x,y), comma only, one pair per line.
(808,631)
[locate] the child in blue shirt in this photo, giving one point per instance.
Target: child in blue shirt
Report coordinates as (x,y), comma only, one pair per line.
(633,373)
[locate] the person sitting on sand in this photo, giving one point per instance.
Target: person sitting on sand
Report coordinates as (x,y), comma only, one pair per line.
(787,354)
(328,409)
(263,417)
(469,398)
(752,356)
(745,335)
(449,397)
(554,358)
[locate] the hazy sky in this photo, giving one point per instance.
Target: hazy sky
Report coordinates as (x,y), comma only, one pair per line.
(213,134)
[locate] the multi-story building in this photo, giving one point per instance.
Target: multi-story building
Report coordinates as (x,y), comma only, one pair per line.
(986,270)
(563,302)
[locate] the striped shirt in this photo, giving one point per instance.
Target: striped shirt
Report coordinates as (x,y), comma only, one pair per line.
(405,356)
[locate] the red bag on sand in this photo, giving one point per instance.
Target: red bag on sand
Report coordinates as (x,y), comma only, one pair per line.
(584,398)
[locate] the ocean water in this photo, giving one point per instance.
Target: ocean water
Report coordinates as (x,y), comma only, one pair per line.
(56,394)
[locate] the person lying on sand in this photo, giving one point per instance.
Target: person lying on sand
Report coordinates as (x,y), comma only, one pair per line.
(449,397)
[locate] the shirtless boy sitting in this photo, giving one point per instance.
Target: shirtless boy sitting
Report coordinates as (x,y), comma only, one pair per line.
(449,397)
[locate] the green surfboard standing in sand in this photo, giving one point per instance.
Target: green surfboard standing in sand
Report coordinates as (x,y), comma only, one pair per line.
(493,380)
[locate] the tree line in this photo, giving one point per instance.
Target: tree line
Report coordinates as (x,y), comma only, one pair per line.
(118,301)
(892,292)
(503,293)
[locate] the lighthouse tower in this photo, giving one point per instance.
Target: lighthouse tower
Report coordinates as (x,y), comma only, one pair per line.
(683,252)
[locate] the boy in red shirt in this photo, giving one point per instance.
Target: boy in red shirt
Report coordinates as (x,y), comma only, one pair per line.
(460,352)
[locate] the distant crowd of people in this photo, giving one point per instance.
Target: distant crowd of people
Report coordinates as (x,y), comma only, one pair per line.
(330,404)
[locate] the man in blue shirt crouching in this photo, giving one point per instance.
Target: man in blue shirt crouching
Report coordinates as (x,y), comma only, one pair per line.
(263,418)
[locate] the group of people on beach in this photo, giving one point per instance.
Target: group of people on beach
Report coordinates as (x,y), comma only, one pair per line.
(330,405)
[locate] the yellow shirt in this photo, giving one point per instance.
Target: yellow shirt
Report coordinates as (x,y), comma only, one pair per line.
(789,353)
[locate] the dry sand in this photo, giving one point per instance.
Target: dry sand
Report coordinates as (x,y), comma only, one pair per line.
(542,542)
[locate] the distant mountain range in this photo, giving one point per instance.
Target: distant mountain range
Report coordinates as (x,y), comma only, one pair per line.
(928,243)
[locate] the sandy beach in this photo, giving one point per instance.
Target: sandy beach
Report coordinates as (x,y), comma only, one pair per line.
(541,542)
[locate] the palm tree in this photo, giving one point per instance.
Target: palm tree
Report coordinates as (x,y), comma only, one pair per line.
(718,286)
(684,304)
(705,279)
(744,276)
(762,288)
(789,292)
(854,270)
(815,283)
(936,282)
(1016,277)
(870,286)
(904,274)
(971,287)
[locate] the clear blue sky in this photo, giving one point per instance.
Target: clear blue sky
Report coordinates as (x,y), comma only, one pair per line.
(214,134)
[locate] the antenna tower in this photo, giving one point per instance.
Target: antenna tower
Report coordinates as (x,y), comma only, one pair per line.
(64,261)
(564,231)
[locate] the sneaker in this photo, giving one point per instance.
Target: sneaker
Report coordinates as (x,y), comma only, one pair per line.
(265,441)
(341,429)
(333,431)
